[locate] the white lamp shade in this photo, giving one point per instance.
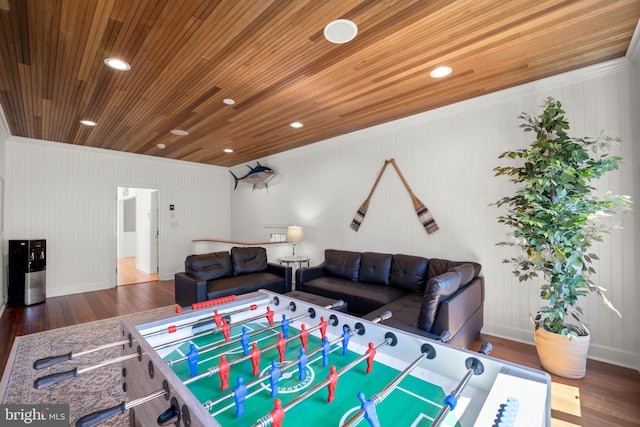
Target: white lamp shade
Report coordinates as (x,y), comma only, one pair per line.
(294,234)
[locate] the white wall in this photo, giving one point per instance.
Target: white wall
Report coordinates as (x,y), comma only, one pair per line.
(447,156)
(67,195)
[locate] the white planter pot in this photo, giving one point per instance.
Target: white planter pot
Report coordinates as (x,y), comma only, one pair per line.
(562,356)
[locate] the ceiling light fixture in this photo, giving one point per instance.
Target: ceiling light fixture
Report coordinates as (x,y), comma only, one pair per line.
(340,31)
(440,72)
(161,146)
(180,132)
(88,122)
(229,101)
(228,150)
(296,125)
(117,64)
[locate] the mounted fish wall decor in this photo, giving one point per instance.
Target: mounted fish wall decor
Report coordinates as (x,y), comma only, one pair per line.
(258,176)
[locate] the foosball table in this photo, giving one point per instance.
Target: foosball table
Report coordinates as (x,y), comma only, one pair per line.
(263,359)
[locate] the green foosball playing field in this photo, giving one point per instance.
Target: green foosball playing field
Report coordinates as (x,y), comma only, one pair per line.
(414,402)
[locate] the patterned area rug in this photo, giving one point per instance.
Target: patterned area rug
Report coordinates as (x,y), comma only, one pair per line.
(97,389)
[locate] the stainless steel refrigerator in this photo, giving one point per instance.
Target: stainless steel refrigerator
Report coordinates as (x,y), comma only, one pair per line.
(27,272)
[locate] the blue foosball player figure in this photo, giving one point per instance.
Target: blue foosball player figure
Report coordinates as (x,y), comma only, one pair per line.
(369,409)
(192,357)
(302,364)
(345,339)
(275,377)
(326,349)
(240,394)
(244,339)
(285,326)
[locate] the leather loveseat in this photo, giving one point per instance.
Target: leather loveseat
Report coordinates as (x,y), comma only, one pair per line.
(426,296)
(220,274)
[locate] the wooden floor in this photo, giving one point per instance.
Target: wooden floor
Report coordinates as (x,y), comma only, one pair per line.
(129,274)
(608,396)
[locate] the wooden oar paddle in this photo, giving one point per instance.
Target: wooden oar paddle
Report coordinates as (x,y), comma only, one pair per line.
(424,215)
(362,210)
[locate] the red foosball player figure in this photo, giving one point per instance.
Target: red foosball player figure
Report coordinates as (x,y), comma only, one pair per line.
(282,346)
(217,318)
(371,352)
(255,358)
(270,314)
(277,415)
(304,336)
(223,371)
(323,327)
(226,329)
(333,380)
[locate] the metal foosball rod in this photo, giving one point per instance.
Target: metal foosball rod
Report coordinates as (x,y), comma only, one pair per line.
(267,420)
(215,346)
(213,331)
(428,352)
(52,360)
(474,367)
(174,328)
(97,417)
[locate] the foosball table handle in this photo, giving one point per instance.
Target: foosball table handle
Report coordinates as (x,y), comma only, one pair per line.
(97,417)
(54,378)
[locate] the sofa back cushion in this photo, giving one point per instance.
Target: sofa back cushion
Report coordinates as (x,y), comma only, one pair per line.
(343,264)
(408,272)
(209,266)
(438,288)
(248,260)
(375,268)
(439,266)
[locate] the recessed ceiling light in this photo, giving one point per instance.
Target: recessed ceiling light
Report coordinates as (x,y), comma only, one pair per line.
(229,101)
(228,150)
(161,146)
(117,64)
(88,122)
(439,72)
(296,125)
(340,31)
(180,132)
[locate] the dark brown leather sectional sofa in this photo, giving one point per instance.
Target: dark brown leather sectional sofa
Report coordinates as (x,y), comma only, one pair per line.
(426,296)
(221,274)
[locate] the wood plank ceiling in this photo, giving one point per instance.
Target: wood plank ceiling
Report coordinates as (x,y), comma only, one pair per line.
(271,57)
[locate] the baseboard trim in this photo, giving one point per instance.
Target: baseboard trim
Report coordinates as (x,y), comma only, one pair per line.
(79,289)
(596,351)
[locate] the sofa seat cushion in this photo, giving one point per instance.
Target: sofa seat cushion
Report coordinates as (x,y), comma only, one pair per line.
(437,288)
(342,264)
(248,260)
(237,285)
(408,272)
(375,268)
(404,310)
(209,266)
(361,297)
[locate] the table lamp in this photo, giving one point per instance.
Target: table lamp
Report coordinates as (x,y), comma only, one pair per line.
(294,235)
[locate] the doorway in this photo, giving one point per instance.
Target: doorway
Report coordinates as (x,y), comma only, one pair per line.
(137,235)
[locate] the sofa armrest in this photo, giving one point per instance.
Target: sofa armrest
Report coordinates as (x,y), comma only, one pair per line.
(284,271)
(308,274)
(454,312)
(189,289)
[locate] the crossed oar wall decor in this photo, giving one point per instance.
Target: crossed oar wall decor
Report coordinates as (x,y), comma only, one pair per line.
(423,213)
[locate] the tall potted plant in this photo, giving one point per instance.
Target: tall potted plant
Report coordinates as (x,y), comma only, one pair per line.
(553,217)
